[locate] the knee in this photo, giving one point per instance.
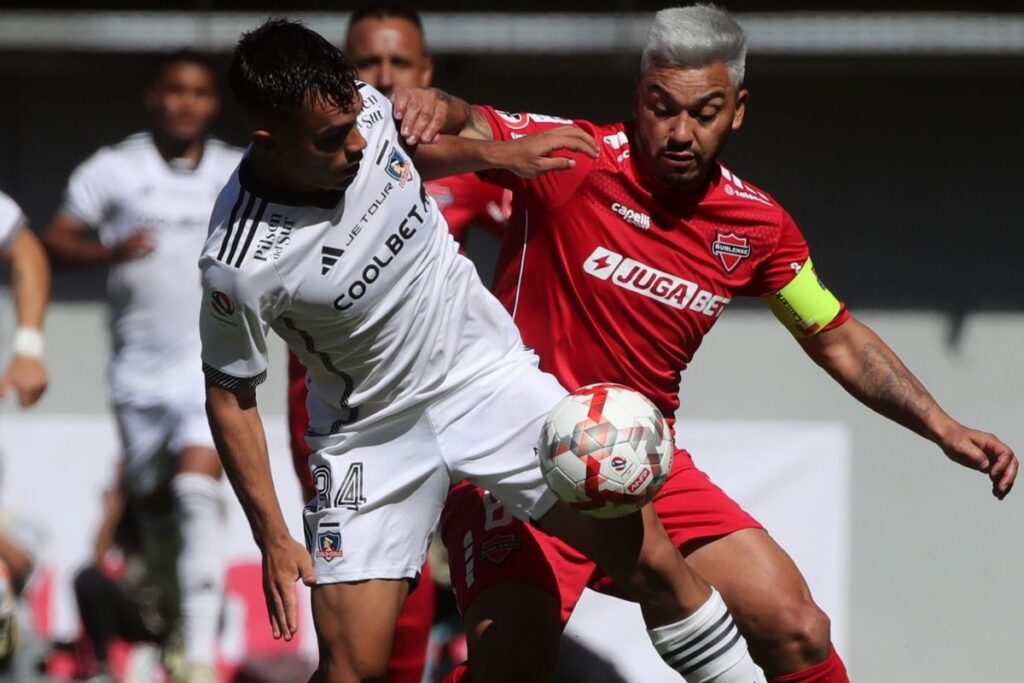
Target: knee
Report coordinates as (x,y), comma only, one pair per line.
(514,644)
(341,664)
(505,660)
(345,670)
(795,631)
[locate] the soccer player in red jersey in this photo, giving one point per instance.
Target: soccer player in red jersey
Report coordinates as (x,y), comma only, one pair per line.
(386,45)
(615,271)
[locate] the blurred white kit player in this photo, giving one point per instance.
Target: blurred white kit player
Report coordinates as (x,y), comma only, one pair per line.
(21,539)
(417,376)
(155,375)
(12,220)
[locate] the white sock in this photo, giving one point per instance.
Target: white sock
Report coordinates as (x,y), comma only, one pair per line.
(200,515)
(706,646)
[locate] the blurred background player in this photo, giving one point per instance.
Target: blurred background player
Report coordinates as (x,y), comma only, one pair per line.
(118,594)
(385,43)
(632,258)
(148,200)
(25,375)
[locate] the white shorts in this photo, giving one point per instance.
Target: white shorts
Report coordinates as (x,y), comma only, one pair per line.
(380,490)
(152,437)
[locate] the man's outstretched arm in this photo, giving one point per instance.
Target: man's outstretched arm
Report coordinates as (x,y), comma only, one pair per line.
(866,367)
(238,433)
(449,137)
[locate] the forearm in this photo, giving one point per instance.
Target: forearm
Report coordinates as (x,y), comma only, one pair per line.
(70,244)
(869,370)
(30,274)
(238,434)
(461,118)
(453,155)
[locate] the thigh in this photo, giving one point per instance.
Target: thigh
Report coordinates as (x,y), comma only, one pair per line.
(145,442)
(757,579)
(191,441)
(489,432)
(355,625)
(488,547)
(379,497)
(692,509)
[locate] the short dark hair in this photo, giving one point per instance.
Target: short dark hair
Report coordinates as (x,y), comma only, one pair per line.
(183,56)
(385,10)
(284,67)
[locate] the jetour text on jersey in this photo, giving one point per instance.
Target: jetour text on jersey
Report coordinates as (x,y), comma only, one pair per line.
(393,244)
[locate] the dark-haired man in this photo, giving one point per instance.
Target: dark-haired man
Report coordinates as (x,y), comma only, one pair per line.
(417,377)
(148,200)
(386,45)
(623,266)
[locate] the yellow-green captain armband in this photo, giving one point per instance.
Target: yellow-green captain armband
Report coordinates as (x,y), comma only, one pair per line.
(804,306)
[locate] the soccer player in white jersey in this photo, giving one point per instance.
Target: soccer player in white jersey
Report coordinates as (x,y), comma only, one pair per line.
(26,376)
(418,377)
(25,373)
(148,200)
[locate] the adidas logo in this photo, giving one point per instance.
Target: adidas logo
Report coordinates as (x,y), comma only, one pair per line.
(328,257)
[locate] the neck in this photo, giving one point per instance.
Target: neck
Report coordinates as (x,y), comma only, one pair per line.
(179,149)
(268,175)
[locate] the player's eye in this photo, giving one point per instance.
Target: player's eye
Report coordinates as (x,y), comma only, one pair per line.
(660,111)
(707,116)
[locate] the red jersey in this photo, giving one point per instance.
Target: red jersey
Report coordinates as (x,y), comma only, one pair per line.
(609,282)
(466,200)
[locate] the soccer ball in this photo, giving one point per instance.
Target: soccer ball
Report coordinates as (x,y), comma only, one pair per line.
(606,450)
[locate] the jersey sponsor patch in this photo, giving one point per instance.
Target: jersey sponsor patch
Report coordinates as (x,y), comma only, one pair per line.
(632,216)
(730,249)
(805,306)
(652,283)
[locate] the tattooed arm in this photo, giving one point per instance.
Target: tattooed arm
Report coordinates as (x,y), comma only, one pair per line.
(424,113)
(866,367)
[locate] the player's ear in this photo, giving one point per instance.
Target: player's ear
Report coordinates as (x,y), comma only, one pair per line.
(150,98)
(262,139)
(741,108)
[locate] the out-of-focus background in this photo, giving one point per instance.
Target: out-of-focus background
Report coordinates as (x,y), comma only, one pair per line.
(890,130)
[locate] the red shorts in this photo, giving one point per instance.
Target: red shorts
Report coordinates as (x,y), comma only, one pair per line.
(487,546)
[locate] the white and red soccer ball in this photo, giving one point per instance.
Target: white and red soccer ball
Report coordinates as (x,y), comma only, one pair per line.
(606,450)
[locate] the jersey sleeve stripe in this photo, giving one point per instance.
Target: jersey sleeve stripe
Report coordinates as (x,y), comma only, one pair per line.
(226,381)
(246,214)
(231,226)
(253,227)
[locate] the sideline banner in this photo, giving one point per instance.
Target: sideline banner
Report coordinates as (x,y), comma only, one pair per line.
(792,476)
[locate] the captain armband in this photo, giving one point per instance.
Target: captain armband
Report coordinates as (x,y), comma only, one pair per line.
(805,306)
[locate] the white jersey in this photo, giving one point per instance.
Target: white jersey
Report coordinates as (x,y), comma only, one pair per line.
(366,286)
(12,220)
(154,300)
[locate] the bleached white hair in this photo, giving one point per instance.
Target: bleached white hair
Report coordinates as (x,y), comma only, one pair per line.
(695,37)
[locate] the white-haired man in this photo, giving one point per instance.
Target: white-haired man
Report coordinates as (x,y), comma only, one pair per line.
(614,271)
